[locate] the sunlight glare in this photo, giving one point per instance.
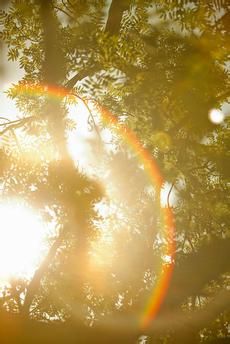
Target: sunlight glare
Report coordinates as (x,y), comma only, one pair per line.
(21,241)
(216,116)
(79,139)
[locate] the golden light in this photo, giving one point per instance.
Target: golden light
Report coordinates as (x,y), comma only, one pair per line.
(216,116)
(22,236)
(79,139)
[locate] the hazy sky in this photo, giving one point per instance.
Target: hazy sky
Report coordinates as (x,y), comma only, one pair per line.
(11,73)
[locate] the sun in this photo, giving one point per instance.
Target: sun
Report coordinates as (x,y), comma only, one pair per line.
(22,236)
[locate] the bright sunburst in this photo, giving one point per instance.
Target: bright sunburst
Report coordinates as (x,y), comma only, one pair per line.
(21,241)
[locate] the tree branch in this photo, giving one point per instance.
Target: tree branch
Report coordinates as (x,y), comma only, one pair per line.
(35,282)
(65,12)
(90,71)
(15,124)
(115,14)
(82,74)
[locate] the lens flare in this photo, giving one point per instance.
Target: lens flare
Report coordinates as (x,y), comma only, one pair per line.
(155,300)
(216,116)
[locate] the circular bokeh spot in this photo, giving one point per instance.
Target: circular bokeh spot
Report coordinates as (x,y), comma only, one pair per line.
(216,116)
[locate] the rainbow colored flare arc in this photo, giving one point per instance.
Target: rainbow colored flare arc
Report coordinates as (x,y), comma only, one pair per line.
(157,297)
(152,306)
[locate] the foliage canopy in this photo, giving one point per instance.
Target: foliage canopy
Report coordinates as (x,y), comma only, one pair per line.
(160,67)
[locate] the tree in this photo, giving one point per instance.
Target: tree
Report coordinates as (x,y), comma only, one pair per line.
(159,69)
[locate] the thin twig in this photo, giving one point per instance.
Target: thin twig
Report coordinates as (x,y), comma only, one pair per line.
(63,11)
(5,119)
(71,5)
(16,124)
(90,113)
(190,243)
(15,121)
(8,121)
(67,8)
(168,204)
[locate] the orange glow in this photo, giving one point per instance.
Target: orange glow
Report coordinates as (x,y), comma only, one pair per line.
(158,294)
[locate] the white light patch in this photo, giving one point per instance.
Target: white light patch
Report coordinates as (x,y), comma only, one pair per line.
(216,116)
(80,139)
(22,236)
